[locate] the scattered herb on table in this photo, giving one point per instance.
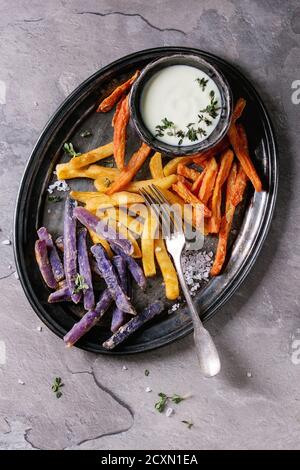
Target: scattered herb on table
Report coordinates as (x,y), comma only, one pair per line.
(54,198)
(176,398)
(86,133)
(163,400)
(80,284)
(202,82)
(161,404)
(56,387)
(68,148)
(147,372)
(189,424)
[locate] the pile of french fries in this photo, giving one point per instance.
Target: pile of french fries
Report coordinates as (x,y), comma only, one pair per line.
(210,180)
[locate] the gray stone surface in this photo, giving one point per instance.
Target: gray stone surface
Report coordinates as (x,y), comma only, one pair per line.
(47,48)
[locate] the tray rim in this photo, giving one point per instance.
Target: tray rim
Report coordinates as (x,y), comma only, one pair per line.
(248,262)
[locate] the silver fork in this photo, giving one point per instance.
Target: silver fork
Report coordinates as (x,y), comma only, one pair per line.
(171,225)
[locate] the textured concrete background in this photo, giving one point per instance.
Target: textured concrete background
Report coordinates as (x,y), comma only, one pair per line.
(48,48)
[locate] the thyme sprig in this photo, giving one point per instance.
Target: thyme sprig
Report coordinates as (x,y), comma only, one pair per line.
(202,82)
(80,284)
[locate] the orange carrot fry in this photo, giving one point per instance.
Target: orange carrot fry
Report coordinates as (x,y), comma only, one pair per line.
(120,126)
(208,182)
(119,104)
(240,148)
(226,222)
(197,183)
(224,169)
(187,172)
(182,190)
(204,156)
(128,173)
(238,109)
(108,103)
(240,186)
(183,180)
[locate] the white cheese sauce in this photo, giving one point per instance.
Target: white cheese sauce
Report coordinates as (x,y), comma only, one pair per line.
(180,93)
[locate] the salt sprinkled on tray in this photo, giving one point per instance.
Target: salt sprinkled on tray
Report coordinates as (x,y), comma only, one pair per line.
(196,267)
(60,185)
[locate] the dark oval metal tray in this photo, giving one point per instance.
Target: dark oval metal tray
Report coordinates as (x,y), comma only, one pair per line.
(77,113)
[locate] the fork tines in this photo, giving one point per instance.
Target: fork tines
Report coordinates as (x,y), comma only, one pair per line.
(168,218)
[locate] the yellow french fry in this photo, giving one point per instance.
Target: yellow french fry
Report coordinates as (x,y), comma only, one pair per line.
(96,239)
(171,167)
(65,171)
(147,243)
(155,166)
(92,156)
(165,182)
(102,183)
(167,269)
(122,198)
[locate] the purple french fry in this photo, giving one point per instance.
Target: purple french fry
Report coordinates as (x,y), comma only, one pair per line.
(92,222)
(59,242)
(119,317)
(85,270)
(70,249)
(133,325)
(89,319)
(110,276)
(135,269)
(56,264)
(41,255)
(61,295)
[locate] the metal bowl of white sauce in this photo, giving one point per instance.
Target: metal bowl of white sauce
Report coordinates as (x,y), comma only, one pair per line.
(181,105)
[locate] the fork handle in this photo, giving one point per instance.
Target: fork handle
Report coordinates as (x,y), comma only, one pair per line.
(207,353)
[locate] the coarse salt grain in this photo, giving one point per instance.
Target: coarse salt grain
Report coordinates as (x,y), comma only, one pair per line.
(148,389)
(196,267)
(158,249)
(16,275)
(249,374)
(169,412)
(21,382)
(125,368)
(6,242)
(39,328)
(60,185)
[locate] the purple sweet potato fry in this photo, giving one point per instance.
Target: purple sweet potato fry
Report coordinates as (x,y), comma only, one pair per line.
(70,249)
(133,325)
(89,319)
(100,227)
(56,264)
(41,255)
(59,242)
(135,269)
(119,317)
(110,276)
(85,270)
(61,295)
